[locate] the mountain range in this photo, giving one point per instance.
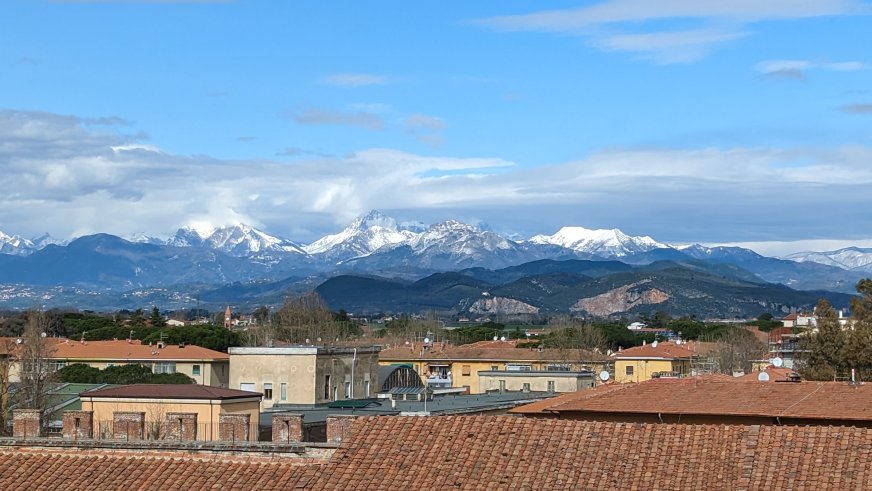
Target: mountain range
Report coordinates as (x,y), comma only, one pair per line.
(241,257)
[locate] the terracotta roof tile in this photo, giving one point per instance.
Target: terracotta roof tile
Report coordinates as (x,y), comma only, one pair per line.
(135,350)
(489,354)
(501,452)
(666,349)
(170,391)
(30,469)
(804,400)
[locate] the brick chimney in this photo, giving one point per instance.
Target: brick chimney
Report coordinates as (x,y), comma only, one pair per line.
(339,427)
(287,428)
(233,427)
(27,423)
(78,425)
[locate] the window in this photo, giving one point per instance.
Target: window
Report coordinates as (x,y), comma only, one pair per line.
(502,385)
(165,367)
(550,386)
(515,367)
(494,368)
(327,387)
(558,367)
(267,390)
(366,388)
(247,386)
(629,370)
(526,387)
(284,392)
(56,365)
(348,390)
(195,370)
(465,370)
(110,365)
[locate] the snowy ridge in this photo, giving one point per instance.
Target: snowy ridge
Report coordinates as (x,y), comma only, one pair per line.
(365,235)
(850,258)
(601,242)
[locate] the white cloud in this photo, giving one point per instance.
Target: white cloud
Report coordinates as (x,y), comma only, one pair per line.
(798,68)
(354,79)
(625,25)
(62,177)
(324,116)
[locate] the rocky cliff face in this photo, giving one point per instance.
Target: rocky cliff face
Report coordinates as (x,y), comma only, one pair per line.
(620,299)
(502,306)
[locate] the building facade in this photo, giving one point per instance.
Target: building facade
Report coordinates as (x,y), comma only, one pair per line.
(305,374)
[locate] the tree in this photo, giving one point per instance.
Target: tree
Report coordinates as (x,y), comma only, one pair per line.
(137,319)
(824,353)
(33,357)
(156,320)
(7,347)
(735,350)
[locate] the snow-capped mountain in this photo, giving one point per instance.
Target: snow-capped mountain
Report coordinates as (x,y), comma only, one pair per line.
(365,235)
(242,240)
(15,245)
(601,242)
(850,258)
(459,238)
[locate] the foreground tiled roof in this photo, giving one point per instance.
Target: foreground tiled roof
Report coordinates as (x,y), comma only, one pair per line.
(500,452)
(131,350)
(486,452)
(31,470)
(170,391)
(714,397)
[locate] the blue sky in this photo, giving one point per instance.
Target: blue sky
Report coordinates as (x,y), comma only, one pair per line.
(685,120)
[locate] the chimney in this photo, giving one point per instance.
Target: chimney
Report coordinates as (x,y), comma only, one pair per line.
(287,427)
(78,425)
(26,423)
(339,427)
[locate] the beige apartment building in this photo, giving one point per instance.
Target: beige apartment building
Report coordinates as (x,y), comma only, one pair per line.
(535,381)
(203,365)
(305,374)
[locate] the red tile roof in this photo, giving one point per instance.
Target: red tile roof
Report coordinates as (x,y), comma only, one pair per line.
(802,400)
(170,391)
(500,452)
(666,350)
(133,350)
(775,374)
(507,353)
(23,469)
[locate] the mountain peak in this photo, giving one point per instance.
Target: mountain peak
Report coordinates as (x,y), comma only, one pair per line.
(602,242)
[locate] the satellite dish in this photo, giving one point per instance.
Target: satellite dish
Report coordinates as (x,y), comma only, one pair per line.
(503,338)
(654,344)
(604,375)
(778,362)
(495,338)
(426,340)
(763,377)
(42,335)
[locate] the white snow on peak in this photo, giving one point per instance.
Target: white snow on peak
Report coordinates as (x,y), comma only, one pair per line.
(851,258)
(600,241)
(365,235)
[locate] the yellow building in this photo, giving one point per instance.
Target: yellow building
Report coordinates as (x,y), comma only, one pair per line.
(459,366)
(305,374)
(204,366)
(658,359)
(169,411)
